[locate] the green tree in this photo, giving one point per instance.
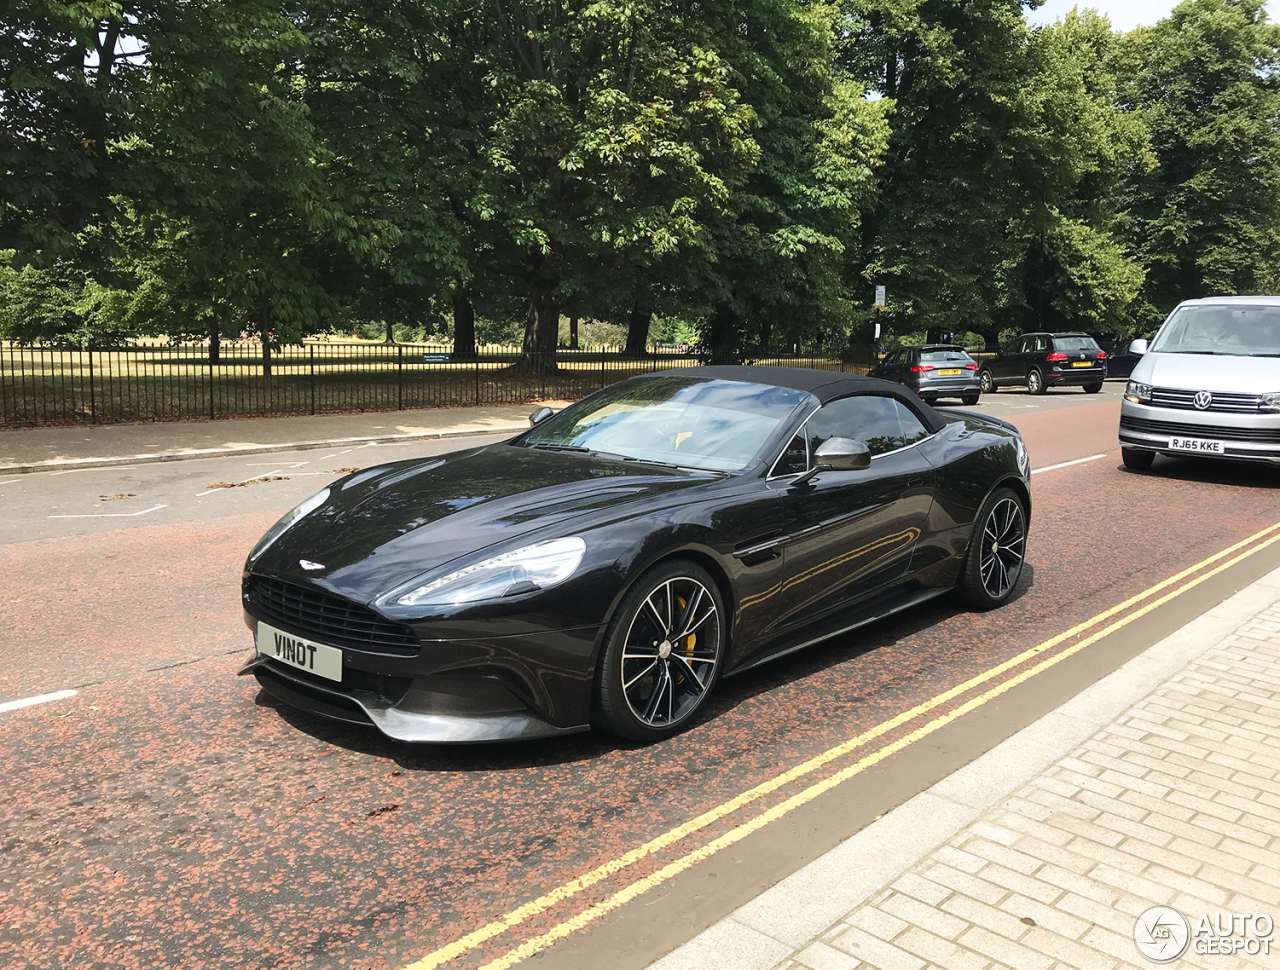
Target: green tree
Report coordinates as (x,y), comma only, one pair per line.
(70,75)
(1207,219)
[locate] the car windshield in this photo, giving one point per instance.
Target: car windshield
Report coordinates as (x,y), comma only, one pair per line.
(694,423)
(1224,330)
(1066,344)
(933,356)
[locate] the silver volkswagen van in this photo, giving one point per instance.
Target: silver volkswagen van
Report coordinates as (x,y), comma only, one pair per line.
(1208,384)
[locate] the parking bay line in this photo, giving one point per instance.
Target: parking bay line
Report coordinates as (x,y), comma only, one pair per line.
(1068,464)
(109,515)
(57,695)
(436,958)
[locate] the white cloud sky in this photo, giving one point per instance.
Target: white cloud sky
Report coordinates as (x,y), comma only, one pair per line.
(1124,14)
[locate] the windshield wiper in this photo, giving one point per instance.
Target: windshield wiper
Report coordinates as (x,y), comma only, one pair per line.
(641,461)
(546,447)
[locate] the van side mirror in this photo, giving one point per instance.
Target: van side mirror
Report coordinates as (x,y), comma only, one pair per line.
(1139,347)
(539,416)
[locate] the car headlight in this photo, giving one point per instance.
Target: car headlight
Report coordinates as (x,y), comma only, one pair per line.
(1270,403)
(1024,459)
(281,527)
(539,566)
(1137,393)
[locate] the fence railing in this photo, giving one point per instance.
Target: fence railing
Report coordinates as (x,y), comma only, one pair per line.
(43,385)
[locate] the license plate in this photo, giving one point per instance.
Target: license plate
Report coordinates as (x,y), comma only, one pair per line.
(1083,363)
(1198,445)
(314,658)
(950,373)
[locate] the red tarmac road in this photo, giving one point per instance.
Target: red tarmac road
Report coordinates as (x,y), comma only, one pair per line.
(170,815)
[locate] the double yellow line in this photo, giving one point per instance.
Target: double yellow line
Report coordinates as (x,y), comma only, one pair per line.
(1101,625)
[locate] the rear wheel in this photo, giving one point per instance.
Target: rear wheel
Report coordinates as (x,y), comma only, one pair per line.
(970,399)
(1093,388)
(1139,461)
(662,654)
(987,382)
(997,551)
(1035,382)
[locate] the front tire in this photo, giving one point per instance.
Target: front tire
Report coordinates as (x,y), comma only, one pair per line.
(987,382)
(662,654)
(1139,461)
(1035,382)
(997,552)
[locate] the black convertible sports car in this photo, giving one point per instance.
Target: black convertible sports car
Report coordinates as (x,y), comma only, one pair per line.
(609,565)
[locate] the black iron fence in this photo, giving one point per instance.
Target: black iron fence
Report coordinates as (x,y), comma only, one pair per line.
(41,385)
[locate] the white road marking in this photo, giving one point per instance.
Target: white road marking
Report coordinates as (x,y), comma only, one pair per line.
(57,695)
(11,481)
(110,515)
(334,455)
(1067,464)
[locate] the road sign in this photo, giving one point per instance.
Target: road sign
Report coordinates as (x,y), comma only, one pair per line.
(882,297)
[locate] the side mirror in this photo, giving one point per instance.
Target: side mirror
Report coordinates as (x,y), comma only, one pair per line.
(842,455)
(838,455)
(539,416)
(1138,347)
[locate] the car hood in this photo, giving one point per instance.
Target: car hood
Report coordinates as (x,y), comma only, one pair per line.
(1196,372)
(388,525)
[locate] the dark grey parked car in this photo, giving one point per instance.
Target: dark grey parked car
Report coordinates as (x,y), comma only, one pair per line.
(933,371)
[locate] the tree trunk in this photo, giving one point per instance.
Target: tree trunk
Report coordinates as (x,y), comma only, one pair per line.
(464,325)
(573,333)
(391,334)
(541,333)
(215,343)
(638,321)
(265,333)
(722,335)
(991,335)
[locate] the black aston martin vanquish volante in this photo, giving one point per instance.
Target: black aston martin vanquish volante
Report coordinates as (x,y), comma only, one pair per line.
(609,565)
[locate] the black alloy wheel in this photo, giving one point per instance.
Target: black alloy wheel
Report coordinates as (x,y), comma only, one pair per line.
(1035,382)
(1093,388)
(997,551)
(987,382)
(662,654)
(1139,461)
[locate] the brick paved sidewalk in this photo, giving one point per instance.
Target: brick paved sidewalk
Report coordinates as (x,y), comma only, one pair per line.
(1176,802)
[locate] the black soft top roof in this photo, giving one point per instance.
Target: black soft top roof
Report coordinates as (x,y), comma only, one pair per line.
(825,385)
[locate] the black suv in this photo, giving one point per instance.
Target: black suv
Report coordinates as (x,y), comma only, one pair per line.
(1039,361)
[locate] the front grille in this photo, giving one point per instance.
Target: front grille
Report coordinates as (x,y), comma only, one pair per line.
(1169,397)
(329,619)
(1261,436)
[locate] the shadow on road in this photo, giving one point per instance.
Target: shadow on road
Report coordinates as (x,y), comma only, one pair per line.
(587,747)
(1213,471)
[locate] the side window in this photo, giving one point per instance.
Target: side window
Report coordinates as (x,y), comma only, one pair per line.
(1016,346)
(1041,345)
(795,459)
(882,422)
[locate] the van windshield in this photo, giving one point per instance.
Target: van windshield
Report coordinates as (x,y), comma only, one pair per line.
(1226,330)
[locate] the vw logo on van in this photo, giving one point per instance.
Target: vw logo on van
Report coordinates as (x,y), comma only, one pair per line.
(1203,401)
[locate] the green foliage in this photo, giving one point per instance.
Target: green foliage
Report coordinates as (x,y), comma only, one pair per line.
(730,174)
(1207,218)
